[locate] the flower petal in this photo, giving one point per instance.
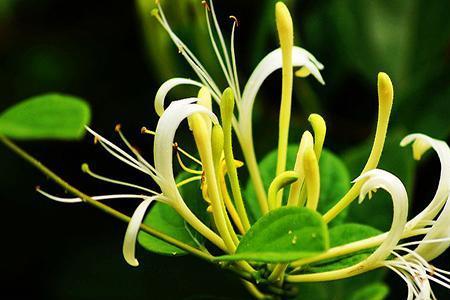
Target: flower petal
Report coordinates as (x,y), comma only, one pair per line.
(165,88)
(381,179)
(439,230)
(271,63)
(165,133)
(421,143)
(129,243)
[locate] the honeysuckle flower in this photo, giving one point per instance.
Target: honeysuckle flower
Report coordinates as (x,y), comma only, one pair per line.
(220,186)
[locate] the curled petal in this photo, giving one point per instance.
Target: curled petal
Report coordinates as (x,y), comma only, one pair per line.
(422,143)
(271,63)
(129,243)
(170,120)
(165,88)
(374,179)
(381,179)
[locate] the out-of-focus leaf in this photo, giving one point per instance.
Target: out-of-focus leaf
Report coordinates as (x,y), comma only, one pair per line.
(334,180)
(343,289)
(375,291)
(50,116)
(283,235)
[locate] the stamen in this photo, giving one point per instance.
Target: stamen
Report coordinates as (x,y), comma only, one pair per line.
(286,36)
(224,47)
(184,167)
(294,194)
(281,181)
(385,99)
(229,204)
(226,110)
(144,130)
(98,198)
(189,56)
(225,69)
(303,72)
(133,149)
(320,128)
(203,142)
(233,60)
(189,180)
(119,153)
(312,178)
(85,168)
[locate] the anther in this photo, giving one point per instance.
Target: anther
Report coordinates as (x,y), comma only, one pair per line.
(155,12)
(118,127)
(96,139)
(85,168)
(206,5)
(235,20)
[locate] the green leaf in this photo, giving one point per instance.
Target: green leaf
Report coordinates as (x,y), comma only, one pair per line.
(350,232)
(375,291)
(283,235)
(334,177)
(341,235)
(165,219)
(345,289)
(50,116)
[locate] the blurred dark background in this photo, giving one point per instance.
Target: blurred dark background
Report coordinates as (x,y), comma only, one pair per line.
(113,54)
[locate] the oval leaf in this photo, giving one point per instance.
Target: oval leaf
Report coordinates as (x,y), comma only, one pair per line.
(283,235)
(341,235)
(334,181)
(165,219)
(50,116)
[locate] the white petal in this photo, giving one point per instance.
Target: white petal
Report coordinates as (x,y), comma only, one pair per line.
(270,63)
(165,88)
(165,133)
(381,179)
(129,243)
(443,190)
(440,230)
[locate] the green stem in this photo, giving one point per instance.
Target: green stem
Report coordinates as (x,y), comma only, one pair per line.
(109,210)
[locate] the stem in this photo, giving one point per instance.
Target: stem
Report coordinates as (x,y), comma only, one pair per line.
(253,290)
(278,273)
(109,210)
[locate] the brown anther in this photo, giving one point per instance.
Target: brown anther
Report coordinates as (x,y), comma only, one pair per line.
(432,270)
(175,146)
(37,188)
(235,20)
(118,127)
(206,5)
(137,150)
(144,130)
(96,140)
